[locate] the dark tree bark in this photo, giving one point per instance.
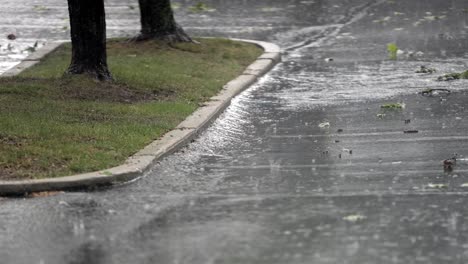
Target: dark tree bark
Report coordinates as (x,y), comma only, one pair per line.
(88,35)
(157,22)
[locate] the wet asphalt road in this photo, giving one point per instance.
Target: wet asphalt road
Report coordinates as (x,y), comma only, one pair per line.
(265,183)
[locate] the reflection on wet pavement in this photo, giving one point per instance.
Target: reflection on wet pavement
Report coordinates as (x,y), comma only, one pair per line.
(304,167)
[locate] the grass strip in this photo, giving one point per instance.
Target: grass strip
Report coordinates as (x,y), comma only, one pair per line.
(53,125)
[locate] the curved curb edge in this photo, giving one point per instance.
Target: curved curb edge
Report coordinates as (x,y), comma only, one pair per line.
(136,165)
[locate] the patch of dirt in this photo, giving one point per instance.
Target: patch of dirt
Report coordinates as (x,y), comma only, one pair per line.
(7,174)
(11,140)
(108,92)
(16,79)
(43,194)
(28,169)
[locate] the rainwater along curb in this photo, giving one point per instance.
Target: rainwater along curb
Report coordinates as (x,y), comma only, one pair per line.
(136,165)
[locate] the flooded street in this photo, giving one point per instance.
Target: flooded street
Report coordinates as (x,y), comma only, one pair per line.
(310,165)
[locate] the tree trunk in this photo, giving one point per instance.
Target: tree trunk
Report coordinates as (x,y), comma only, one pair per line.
(157,22)
(88,35)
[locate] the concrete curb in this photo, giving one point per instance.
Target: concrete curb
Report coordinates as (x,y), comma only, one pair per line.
(135,166)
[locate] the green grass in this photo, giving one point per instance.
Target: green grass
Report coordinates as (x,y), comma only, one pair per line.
(54,126)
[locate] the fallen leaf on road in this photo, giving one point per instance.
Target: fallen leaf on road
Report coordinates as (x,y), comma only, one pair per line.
(437,185)
(11,36)
(393,106)
(410,131)
(354,218)
(43,194)
(324,125)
